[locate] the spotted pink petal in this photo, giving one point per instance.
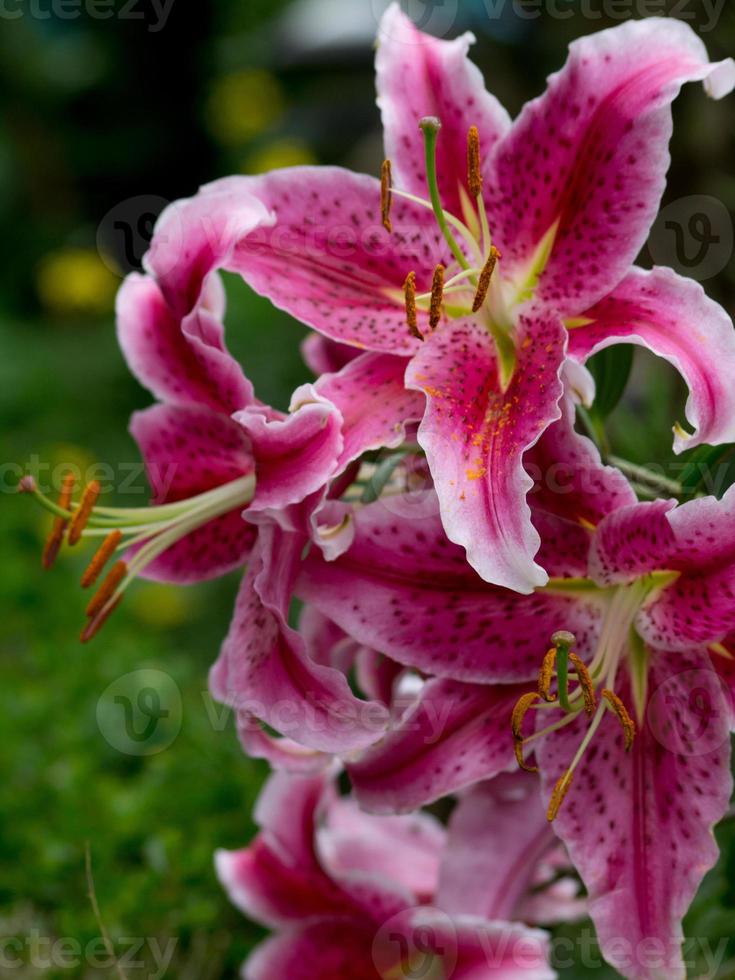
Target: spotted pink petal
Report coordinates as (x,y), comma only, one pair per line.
(278,879)
(263,668)
(373,401)
(475,435)
(498,834)
(195,236)
(590,156)
(674,318)
(377,675)
(453,735)
(570,480)
(294,456)
(638,825)
(324,356)
(693,539)
(279,753)
(328,260)
(403,588)
(325,642)
(633,541)
(188,450)
(419,75)
(184,362)
(405,849)
(332,950)
(694,610)
(467,947)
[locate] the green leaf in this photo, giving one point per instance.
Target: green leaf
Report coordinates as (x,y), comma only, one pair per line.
(611,370)
(381,475)
(702,472)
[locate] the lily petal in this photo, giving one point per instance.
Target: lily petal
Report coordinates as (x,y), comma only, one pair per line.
(323,951)
(453,735)
(403,588)
(419,75)
(263,668)
(294,456)
(638,825)
(197,235)
(674,318)
(475,435)
(498,833)
(405,849)
(184,362)
(571,481)
(584,165)
(324,356)
(374,403)
(188,450)
(328,260)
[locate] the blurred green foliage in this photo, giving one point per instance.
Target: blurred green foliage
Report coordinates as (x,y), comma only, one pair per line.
(97,112)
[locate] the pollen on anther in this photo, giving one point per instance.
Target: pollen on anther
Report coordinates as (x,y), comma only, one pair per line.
(83,511)
(545,675)
(97,622)
(557,795)
(56,535)
(485,276)
(585,683)
(437,294)
(386,195)
(520,710)
(622,715)
(100,558)
(474,174)
(114,577)
(409,293)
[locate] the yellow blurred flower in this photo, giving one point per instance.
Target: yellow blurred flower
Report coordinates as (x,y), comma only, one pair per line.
(161,606)
(243,104)
(76,280)
(280,153)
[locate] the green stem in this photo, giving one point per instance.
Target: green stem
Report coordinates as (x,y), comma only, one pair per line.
(430,127)
(645,476)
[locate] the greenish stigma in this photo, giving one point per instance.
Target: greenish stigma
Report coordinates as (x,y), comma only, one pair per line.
(430,127)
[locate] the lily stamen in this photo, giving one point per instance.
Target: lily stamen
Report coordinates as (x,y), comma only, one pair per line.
(56,536)
(83,512)
(409,294)
(545,675)
(621,712)
(584,698)
(486,275)
(585,683)
(474,175)
(516,723)
(386,194)
(557,795)
(437,295)
(149,530)
(100,558)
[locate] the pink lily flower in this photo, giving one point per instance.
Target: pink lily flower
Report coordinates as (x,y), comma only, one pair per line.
(235,481)
(371,897)
(631,738)
(488,251)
